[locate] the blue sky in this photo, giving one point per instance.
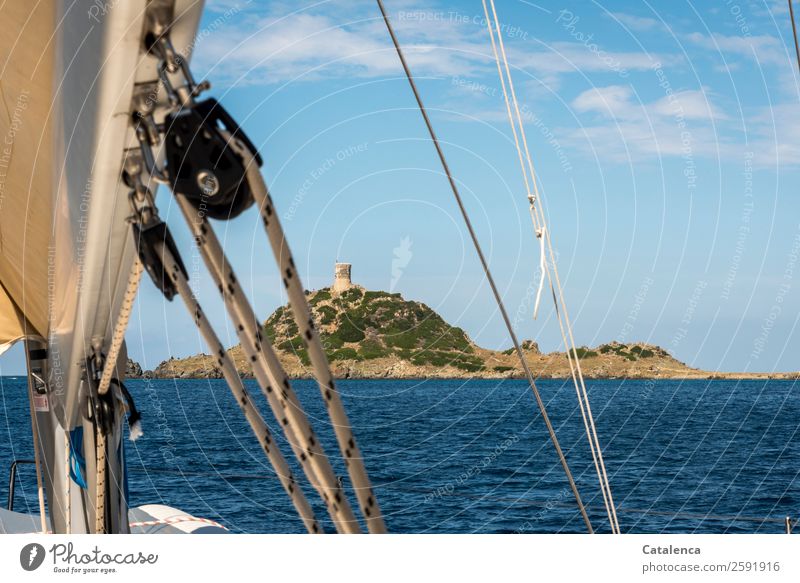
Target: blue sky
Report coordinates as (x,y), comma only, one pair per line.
(664,137)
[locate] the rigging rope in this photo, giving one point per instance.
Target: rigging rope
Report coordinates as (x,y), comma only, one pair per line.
(118,335)
(541,231)
(486,270)
(311,340)
(100,481)
(243,399)
(109,367)
(269,372)
(146,214)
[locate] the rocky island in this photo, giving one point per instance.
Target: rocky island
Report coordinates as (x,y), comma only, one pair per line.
(377,334)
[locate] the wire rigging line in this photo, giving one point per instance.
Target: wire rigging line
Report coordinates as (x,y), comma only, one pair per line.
(486,269)
(794,33)
(542,233)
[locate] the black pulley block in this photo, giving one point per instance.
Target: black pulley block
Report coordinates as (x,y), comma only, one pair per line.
(145,238)
(202,166)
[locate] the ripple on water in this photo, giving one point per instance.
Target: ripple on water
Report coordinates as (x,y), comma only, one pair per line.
(455,456)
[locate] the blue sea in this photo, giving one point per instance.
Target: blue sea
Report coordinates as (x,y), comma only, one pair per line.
(450,456)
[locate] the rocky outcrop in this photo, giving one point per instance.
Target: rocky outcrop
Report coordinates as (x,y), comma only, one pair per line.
(133,370)
(370,334)
(200,366)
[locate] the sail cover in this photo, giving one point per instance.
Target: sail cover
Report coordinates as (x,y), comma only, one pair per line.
(26,167)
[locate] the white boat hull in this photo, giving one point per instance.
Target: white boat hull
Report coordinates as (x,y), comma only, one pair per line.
(149,519)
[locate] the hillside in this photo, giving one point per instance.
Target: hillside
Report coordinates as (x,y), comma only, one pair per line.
(375,334)
(363,326)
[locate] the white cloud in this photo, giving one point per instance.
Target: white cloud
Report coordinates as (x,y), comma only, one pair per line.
(310,44)
(224,5)
(777,8)
(773,135)
(614,101)
(693,104)
(763,48)
(637,23)
(318,42)
(624,127)
(621,127)
(575,57)
(617,101)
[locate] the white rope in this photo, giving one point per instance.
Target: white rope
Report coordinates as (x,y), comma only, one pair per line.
(310,335)
(118,335)
(243,399)
(100,481)
(109,367)
(539,223)
(269,372)
(542,268)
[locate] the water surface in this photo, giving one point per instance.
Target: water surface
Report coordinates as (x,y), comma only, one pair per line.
(473,456)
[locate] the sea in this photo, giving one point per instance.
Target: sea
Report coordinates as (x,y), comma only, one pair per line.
(471,456)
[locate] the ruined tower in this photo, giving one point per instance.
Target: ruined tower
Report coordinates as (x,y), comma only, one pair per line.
(341,277)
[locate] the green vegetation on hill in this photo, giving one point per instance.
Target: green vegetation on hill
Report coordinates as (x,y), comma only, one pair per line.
(631,352)
(375,334)
(358,325)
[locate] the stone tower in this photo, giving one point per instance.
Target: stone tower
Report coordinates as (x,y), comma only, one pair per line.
(341,279)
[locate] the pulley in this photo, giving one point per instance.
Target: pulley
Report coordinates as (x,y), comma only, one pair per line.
(101,406)
(201,166)
(146,238)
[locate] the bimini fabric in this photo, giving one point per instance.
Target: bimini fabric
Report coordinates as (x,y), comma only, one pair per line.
(26,166)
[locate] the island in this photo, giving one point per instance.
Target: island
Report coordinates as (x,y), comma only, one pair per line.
(376,334)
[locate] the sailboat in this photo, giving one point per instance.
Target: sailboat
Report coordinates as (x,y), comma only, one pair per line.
(96,119)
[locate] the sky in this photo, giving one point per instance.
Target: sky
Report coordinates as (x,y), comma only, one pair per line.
(664,137)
